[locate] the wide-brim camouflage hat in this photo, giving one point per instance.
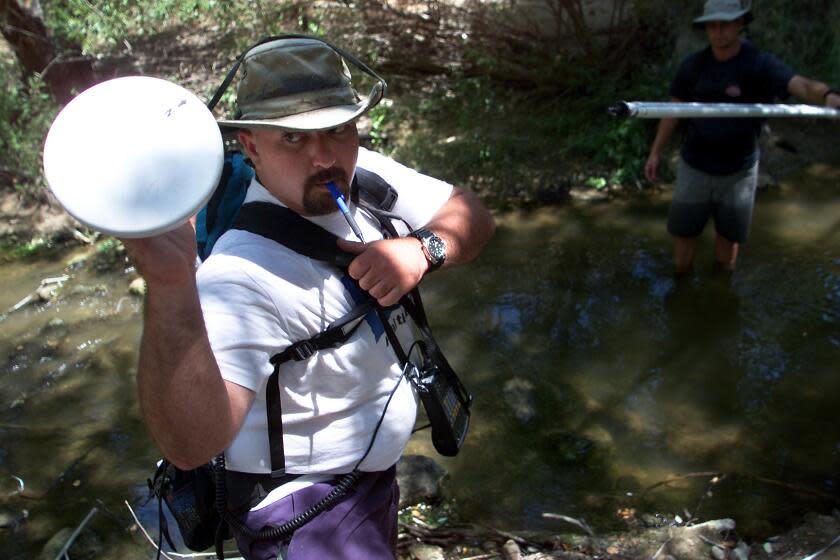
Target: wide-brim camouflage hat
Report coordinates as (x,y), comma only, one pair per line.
(298,84)
(725,10)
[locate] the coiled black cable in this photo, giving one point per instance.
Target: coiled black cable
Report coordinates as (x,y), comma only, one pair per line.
(344,485)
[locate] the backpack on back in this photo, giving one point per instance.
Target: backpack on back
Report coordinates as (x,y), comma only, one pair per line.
(221,211)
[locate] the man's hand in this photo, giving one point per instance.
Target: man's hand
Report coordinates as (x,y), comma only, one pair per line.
(664,131)
(165,259)
(651,165)
(387,269)
(812,91)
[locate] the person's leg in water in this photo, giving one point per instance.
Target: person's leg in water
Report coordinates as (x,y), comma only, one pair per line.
(726,254)
(691,206)
(683,255)
(734,200)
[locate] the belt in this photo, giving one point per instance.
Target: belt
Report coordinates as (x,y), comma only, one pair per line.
(246,490)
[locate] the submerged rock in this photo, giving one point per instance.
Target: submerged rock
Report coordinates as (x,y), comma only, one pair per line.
(567,447)
(420,479)
(426,552)
(7,520)
(519,395)
(137,287)
(55,544)
(54,324)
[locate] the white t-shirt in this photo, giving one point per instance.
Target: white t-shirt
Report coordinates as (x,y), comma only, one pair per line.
(258,297)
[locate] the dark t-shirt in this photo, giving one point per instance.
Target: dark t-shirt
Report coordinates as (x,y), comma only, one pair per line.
(723,146)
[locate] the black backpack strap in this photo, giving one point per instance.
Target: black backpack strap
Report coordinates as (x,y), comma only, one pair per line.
(334,336)
(274,413)
(284,226)
(287,228)
(374,194)
(371,190)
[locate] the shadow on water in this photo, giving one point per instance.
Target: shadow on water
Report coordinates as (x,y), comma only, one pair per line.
(598,377)
(603,388)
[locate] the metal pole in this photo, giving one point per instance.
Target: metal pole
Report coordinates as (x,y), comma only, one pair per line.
(659,110)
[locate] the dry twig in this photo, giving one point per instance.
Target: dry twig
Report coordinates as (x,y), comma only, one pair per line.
(825,548)
(75,534)
(170,555)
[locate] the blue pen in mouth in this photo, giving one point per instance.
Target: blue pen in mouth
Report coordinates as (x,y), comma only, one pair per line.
(345,211)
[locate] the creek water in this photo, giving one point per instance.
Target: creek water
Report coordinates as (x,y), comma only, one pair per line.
(604,390)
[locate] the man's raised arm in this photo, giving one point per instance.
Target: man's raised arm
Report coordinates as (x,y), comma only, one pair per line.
(190,411)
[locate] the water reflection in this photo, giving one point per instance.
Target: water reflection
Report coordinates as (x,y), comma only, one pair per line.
(599,376)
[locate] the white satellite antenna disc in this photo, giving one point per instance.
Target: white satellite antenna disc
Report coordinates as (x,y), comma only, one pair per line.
(134,156)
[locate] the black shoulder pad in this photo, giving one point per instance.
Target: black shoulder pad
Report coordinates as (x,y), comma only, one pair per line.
(373,190)
(285,227)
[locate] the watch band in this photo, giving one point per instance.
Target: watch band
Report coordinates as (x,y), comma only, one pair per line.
(434,248)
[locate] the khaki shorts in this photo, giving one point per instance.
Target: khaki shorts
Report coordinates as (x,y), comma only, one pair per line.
(728,199)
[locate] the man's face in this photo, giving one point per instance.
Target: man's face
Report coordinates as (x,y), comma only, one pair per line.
(723,34)
(296,166)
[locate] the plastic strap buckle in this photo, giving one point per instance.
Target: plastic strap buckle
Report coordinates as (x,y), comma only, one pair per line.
(413,375)
(303,350)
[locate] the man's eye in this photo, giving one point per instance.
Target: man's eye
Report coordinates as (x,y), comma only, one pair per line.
(339,130)
(293,137)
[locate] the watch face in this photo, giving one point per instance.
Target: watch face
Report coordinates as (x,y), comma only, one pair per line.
(433,246)
(437,248)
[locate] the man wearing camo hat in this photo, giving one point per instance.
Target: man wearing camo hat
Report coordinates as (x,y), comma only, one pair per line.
(209,335)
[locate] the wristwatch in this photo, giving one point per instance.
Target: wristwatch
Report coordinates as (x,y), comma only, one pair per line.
(433,247)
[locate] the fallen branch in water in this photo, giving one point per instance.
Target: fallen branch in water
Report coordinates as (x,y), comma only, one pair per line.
(60,477)
(75,534)
(786,485)
(677,478)
(576,522)
(37,293)
(20,487)
(822,550)
(795,487)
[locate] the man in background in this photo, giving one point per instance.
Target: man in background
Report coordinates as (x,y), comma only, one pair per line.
(717,172)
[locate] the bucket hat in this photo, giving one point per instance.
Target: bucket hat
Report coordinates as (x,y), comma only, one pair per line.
(299,83)
(725,10)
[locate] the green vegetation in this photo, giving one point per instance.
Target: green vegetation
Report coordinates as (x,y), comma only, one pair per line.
(39,247)
(26,109)
(429,515)
(114,23)
(481,101)
(803,33)
(108,255)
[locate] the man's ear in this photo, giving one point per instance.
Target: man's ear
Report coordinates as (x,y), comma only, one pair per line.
(246,140)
